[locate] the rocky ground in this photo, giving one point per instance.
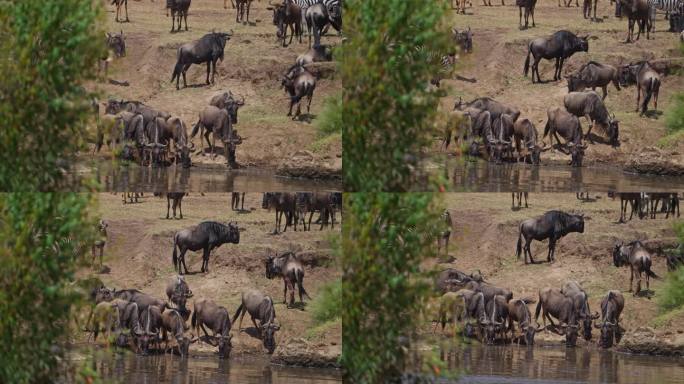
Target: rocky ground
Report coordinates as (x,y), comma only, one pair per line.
(484,238)
(138,255)
(253,66)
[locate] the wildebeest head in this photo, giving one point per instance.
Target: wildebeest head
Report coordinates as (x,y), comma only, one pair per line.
(157,151)
(575,83)
(224,346)
(117,43)
(232,107)
(268,335)
(576,154)
(612,130)
(271,270)
(627,74)
(233,235)
(581,44)
(103,294)
(619,258)
(535,152)
(220,39)
(464,39)
(127,153)
(121,340)
(114,106)
(529,332)
(266,200)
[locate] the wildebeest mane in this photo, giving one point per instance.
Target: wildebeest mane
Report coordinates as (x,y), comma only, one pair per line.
(216,230)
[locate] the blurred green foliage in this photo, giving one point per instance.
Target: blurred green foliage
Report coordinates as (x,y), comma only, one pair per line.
(672,295)
(49,49)
(327,305)
(391,55)
(674,116)
(330,120)
(385,237)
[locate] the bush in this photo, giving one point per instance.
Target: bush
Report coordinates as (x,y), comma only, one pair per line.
(330,120)
(674,117)
(386,65)
(327,305)
(672,295)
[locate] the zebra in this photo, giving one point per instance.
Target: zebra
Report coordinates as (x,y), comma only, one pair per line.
(444,62)
(667,6)
(334,7)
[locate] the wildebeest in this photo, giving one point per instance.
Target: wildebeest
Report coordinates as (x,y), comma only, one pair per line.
(213,120)
(552,225)
(451,306)
(156,144)
(611,309)
(519,313)
(647,81)
(290,268)
(105,316)
(118,4)
(636,11)
(143,300)
(670,203)
(560,46)
(592,75)
(495,108)
(580,299)
(460,6)
(283,203)
(474,309)
(177,198)
(497,315)
(298,82)
(590,105)
(464,39)
(99,244)
(632,199)
(568,3)
(178,291)
(451,279)
(287,14)
(235,199)
(586,9)
(259,307)
(316,17)
(520,195)
(180,8)
(528,5)
(151,322)
(489,290)
(207,236)
(553,303)
(319,53)
(312,202)
(217,318)
(129,316)
(173,323)
(227,101)
(208,49)
(175,129)
(638,258)
(242,8)
(527,141)
(116,47)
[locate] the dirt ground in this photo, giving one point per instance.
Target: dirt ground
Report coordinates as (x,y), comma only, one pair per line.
(253,66)
(138,255)
(499,51)
(485,232)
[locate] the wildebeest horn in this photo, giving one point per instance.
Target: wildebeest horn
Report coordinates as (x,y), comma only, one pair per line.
(595,315)
(539,328)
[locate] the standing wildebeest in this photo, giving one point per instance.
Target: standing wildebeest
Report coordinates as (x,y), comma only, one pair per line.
(235,199)
(527,140)
(647,81)
(177,198)
(464,39)
(670,202)
(580,300)
(520,195)
(208,49)
(636,11)
(227,101)
(459,7)
(445,234)
(290,268)
(116,47)
(207,236)
(474,309)
(174,129)
(178,291)
(217,319)
(319,53)
(310,202)
(284,203)
(560,121)
(316,17)
(286,15)
(552,225)
(638,258)
(105,316)
(590,105)
(213,120)
(592,75)
(180,8)
(611,309)
(518,312)
(242,6)
(586,9)
(118,4)
(560,46)
(553,303)
(260,307)
(299,82)
(529,11)
(628,198)
(173,322)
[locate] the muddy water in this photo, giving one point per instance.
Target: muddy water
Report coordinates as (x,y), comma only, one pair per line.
(115,176)
(131,368)
(513,364)
(482,176)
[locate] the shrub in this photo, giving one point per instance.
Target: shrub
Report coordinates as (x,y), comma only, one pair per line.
(327,305)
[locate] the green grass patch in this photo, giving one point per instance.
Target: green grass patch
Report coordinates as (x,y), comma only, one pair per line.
(330,119)
(322,144)
(674,116)
(664,319)
(327,306)
(318,331)
(672,295)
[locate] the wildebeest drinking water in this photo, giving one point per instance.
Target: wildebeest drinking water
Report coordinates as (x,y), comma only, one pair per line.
(259,307)
(518,312)
(638,258)
(208,49)
(553,303)
(290,268)
(552,225)
(527,142)
(590,105)
(647,81)
(560,46)
(206,236)
(580,299)
(178,291)
(217,318)
(611,309)
(561,122)
(213,120)
(173,323)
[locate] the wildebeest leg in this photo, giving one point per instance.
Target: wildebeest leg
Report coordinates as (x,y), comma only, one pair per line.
(292,30)
(552,248)
(126,7)
(308,105)
(206,137)
(289,113)
(180,209)
(168,204)
(536,68)
(182,260)
(173,21)
(638,96)
(185,83)
(185,16)
(285,291)
(205,260)
(631,277)
(208,70)
(528,251)
(175,204)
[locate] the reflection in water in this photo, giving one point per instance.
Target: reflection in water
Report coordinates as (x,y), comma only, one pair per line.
(115,176)
(519,364)
(131,368)
(487,177)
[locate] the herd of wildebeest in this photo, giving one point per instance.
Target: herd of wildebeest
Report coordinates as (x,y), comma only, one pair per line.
(490,313)
(146,134)
(499,133)
(131,318)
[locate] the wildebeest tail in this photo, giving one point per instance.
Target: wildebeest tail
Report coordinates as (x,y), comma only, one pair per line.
(193,320)
(547,128)
(647,267)
(195,128)
(300,283)
(537,310)
(649,93)
(237,313)
(518,247)
(177,70)
(527,61)
(175,258)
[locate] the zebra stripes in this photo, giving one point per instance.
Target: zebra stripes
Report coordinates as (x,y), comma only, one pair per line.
(330,5)
(669,6)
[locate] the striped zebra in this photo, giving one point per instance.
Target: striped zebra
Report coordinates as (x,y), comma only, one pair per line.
(334,7)
(445,63)
(667,6)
